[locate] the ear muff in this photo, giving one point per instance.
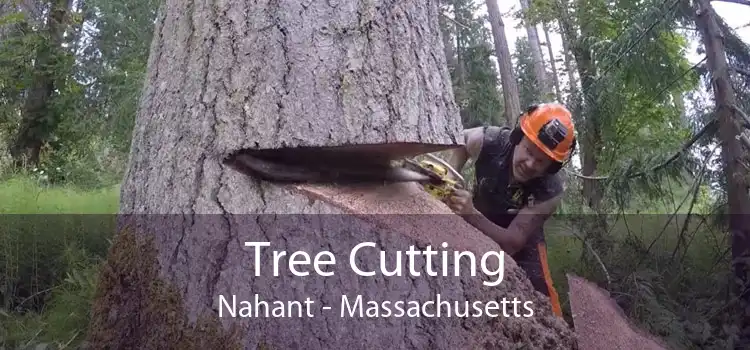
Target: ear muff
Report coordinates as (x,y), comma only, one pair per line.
(516,135)
(555,167)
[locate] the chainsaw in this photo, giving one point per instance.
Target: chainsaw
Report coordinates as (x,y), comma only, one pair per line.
(319,165)
(441,185)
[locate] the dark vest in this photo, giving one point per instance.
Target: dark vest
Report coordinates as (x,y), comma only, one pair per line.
(493,194)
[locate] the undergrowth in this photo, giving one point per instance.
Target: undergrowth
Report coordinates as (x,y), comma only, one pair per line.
(49,255)
(671,278)
(48,266)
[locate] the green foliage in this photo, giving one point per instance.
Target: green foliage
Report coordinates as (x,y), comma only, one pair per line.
(667,277)
(118,64)
(667,272)
(65,320)
(97,86)
(476,86)
(17,51)
(50,261)
(638,66)
(479,95)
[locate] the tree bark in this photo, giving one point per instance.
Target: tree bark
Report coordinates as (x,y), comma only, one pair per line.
(536,56)
(508,80)
(368,75)
(228,76)
(733,155)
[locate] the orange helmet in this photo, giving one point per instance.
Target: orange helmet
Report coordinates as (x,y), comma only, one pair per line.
(550,127)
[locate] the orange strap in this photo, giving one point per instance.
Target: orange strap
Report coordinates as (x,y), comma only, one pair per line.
(553,298)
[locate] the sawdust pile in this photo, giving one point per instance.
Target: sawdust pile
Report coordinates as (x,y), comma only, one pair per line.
(439,224)
(600,323)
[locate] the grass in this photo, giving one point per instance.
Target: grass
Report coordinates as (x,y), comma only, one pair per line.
(49,257)
(22,195)
(51,260)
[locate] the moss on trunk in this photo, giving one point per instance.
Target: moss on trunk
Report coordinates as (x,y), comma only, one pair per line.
(135,308)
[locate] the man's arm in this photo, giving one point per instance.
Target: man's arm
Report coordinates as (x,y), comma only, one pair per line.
(528,220)
(526,223)
(472,146)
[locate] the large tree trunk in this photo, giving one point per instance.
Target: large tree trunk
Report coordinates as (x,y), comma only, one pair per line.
(284,79)
(540,71)
(733,155)
(508,80)
(229,76)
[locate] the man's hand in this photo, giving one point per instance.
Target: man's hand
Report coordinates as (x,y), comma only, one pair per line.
(461,203)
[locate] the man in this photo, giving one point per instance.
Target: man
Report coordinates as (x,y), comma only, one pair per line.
(518,188)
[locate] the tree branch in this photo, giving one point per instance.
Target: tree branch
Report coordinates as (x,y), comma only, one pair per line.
(706,128)
(745,140)
(741,2)
(453,20)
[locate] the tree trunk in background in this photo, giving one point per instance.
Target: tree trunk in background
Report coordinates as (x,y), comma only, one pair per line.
(570,69)
(229,76)
(733,155)
(447,42)
(460,70)
(589,137)
(585,113)
(679,103)
(553,64)
(536,55)
(510,85)
(38,119)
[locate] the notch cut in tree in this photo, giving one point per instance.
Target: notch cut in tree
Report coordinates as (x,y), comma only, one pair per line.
(228,77)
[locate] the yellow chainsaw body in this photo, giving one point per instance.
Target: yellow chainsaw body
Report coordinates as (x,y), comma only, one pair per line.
(444,190)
